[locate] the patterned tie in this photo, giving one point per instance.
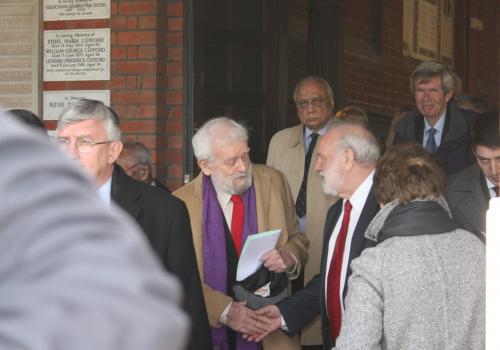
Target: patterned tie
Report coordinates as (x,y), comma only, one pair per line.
(334,273)
(237,221)
(431,146)
(300,204)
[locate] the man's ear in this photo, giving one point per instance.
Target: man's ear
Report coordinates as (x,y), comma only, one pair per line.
(203,164)
(348,160)
(115,148)
(448,96)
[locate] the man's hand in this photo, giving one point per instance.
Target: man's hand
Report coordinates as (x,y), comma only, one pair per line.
(244,320)
(271,316)
(278,260)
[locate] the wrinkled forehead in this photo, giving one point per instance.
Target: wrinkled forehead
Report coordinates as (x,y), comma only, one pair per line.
(225,148)
(90,127)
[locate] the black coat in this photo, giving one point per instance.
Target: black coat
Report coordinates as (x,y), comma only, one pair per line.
(165,221)
(455,150)
(302,307)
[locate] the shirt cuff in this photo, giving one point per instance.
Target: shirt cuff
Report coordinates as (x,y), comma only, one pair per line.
(223,316)
(283,325)
(292,269)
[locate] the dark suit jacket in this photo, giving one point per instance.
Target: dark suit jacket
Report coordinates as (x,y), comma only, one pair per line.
(468,198)
(303,306)
(455,150)
(165,221)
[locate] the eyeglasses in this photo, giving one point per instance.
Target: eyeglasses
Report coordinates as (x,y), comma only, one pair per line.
(317,102)
(133,166)
(83,145)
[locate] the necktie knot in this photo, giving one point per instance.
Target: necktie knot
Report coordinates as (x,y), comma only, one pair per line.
(236,199)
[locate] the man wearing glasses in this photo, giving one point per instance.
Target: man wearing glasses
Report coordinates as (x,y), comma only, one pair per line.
(135,159)
(89,132)
(292,151)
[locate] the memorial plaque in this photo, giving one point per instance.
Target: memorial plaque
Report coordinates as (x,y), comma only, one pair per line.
(70,55)
(64,10)
(54,102)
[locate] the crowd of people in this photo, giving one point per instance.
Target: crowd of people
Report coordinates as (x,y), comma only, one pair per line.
(382,245)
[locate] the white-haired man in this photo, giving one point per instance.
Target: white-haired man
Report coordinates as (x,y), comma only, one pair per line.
(89,132)
(347,155)
(229,200)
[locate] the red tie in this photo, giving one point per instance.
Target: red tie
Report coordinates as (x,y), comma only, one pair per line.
(333,286)
(237,221)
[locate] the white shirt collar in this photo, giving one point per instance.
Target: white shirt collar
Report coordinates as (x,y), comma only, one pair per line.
(359,196)
(439,126)
(104,192)
(321,132)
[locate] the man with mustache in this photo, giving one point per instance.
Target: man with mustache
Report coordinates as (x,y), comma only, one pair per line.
(437,123)
(229,200)
(293,151)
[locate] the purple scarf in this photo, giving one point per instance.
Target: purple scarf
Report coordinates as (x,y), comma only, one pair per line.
(214,251)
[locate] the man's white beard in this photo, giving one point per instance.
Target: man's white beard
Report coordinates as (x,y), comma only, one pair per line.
(230,184)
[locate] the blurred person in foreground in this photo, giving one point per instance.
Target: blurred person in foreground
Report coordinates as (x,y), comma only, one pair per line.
(135,159)
(89,132)
(74,275)
(423,285)
(470,191)
(28,118)
(231,199)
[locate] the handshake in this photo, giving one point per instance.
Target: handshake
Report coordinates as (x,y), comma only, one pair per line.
(255,325)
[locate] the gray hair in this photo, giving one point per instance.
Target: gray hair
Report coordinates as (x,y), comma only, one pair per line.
(205,136)
(139,151)
(430,69)
(86,109)
(362,142)
(313,79)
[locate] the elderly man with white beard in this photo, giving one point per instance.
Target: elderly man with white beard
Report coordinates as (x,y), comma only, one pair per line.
(231,199)
(347,156)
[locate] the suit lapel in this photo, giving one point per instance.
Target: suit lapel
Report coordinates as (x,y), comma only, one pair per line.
(262,184)
(125,192)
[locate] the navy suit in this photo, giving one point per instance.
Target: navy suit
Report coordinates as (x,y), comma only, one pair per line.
(302,307)
(165,221)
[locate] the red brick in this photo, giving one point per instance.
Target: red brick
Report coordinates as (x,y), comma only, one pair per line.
(174,68)
(135,97)
(175,24)
(118,53)
(176,113)
(131,82)
(137,7)
(148,22)
(117,23)
(131,23)
(175,142)
(117,82)
(174,97)
(143,126)
(129,67)
(147,52)
(174,83)
(137,38)
(175,10)
(132,53)
(174,54)
(174,39)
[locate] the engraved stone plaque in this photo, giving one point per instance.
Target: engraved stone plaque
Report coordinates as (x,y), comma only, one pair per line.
(64,10)
(54,102)
(82,54)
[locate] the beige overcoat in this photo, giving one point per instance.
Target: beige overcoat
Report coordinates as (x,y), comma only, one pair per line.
(286,153)
(275,209)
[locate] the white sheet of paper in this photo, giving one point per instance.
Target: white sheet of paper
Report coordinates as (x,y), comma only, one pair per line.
(255,246)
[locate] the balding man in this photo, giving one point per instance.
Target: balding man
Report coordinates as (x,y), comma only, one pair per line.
(347,155)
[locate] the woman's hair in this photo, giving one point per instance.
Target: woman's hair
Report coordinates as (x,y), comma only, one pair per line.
(407,172)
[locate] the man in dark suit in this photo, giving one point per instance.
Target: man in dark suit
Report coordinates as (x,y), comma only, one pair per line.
(89,132)
(347,156)
(437,123)
(470,190)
